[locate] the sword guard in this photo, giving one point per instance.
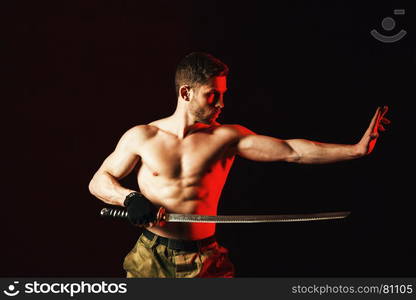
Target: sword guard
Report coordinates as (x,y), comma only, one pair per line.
(160,217)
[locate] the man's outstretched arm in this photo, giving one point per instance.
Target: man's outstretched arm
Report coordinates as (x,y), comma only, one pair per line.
(265,148)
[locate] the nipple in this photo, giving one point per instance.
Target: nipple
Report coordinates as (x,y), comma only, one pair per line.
(155,173)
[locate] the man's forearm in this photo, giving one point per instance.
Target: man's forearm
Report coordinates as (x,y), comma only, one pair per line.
(310,152)
(106,188)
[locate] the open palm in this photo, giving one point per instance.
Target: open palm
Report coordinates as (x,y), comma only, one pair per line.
(369,139)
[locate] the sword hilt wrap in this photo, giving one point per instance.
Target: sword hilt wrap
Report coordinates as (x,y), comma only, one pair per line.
(113,213)
(121,213)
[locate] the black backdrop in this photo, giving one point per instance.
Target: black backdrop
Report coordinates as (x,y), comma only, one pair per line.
(80,73)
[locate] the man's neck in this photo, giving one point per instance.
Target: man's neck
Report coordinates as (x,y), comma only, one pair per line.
(184,124)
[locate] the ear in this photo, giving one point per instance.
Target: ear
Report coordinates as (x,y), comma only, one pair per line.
(185,92)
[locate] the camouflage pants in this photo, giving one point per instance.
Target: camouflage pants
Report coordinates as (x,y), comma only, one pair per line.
(149,259)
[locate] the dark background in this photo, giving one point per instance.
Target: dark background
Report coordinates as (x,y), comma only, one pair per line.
(80,73)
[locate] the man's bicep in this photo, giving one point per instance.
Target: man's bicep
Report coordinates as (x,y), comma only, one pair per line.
(265,148)
(123,159)
(119,164)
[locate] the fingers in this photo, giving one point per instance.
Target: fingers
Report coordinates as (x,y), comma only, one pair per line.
(374,120)
(372,128)
(384,110)
(376,125)
(376,115)
(374,135)
(381,119)
(380,113)
(385,121)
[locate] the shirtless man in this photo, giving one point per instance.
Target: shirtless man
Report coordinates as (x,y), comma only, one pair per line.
(184,160)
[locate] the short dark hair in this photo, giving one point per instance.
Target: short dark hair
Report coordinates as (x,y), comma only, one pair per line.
(197,68)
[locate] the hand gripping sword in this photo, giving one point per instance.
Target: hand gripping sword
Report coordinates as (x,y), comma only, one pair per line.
(163,216)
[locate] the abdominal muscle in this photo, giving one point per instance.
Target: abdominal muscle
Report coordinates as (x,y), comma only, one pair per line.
(184,195)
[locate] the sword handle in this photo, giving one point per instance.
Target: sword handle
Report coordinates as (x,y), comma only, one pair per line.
(113,213)
(121,213)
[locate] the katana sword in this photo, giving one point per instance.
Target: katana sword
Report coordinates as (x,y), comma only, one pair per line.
(163,216)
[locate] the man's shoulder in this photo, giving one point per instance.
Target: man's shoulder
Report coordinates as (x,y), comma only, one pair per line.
(163,124)
(234,129)
(140,132)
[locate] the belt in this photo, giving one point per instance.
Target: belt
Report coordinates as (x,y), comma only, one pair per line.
(184,245)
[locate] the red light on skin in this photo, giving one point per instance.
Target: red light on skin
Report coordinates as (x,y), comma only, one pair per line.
(216,93)
(220,83)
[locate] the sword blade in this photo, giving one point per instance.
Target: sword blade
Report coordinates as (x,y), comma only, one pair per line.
(255,218)
(188,218)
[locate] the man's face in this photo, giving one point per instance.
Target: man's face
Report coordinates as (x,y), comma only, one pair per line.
(207,100)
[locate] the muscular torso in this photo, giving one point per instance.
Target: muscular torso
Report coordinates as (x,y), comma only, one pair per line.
(186,175)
